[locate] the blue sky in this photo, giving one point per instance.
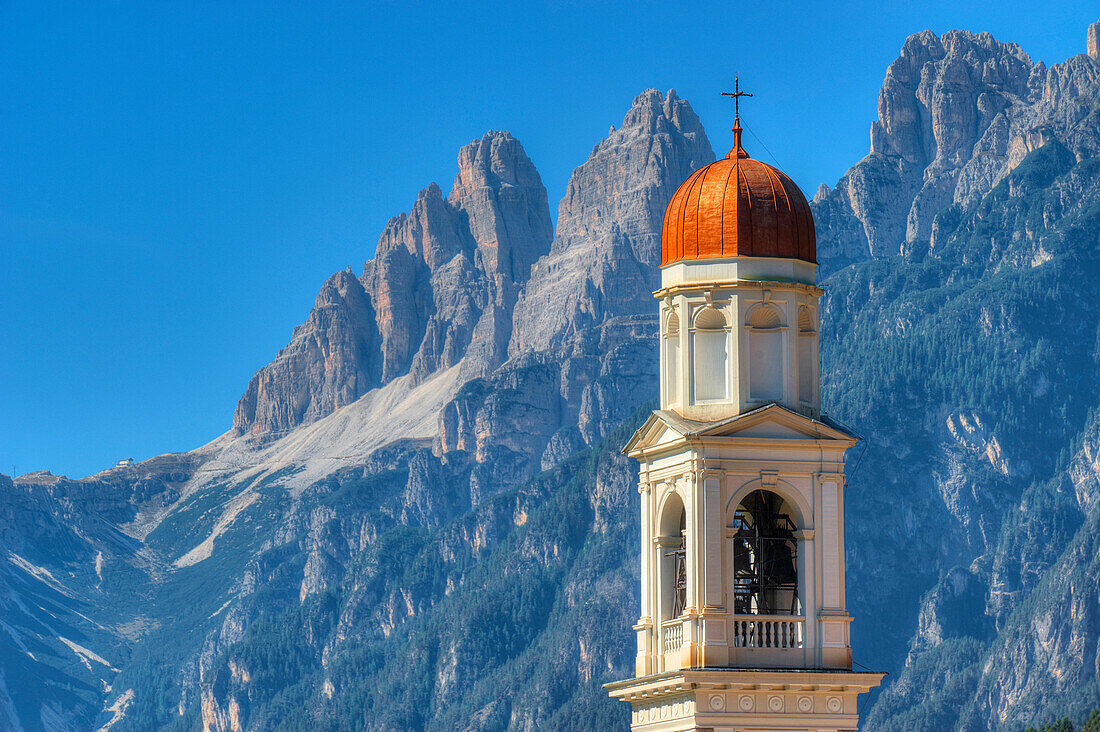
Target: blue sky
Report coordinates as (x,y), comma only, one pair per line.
(178,179)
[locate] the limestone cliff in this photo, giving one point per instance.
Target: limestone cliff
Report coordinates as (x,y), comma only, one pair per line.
(582,347)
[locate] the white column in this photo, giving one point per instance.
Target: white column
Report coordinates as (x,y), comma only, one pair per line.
(648,635)
(646,550)
(712,540)
(692,544)
(830,544)
(842,603)
(737,332)
(657,573)
(807,551)
(683,385)
(662,356)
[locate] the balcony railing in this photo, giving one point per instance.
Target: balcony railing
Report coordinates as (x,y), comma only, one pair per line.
(672,635)
(768,631)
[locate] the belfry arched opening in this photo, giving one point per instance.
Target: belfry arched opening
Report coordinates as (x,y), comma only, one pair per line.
(765,557)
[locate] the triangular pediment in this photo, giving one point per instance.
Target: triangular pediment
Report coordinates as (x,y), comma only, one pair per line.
(665,436)
(658,430)
(774,422)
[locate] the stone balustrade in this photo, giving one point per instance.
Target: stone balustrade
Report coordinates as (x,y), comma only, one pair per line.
(768,631)
(672,635)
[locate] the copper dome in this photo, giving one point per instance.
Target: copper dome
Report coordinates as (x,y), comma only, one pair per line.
(738,207)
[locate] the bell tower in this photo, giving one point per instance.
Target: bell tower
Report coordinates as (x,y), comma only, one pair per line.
(743,624)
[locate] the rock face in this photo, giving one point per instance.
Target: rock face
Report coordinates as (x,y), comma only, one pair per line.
(605,257)
(440,289)
(1052,570)
(955,115)
(445,276)
(332,359)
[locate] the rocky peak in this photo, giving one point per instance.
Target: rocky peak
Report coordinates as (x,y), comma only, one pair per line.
(502,193)
(339,287)
(331,360)
(941,93)
(956,114)
(1093,41)
(650,113)
(604,259)
(428,233)
(439,291)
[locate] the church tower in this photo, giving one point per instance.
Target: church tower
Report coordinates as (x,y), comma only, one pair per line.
(743,623)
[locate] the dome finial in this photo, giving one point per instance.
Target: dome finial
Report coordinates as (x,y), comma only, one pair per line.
(737,151)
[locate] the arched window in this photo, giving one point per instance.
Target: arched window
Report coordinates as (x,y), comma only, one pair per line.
(766,371)
(807,350)
(709,356)
(765,557)
(672,359)
(673,558)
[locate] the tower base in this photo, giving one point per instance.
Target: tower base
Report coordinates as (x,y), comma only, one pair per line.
(745,700)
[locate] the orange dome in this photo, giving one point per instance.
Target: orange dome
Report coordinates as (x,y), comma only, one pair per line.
(738,207)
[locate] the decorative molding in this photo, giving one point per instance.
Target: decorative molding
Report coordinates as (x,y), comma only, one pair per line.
(821,478)
(732,286)
(786,490)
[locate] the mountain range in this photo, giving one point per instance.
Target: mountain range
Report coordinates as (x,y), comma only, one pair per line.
(419,518)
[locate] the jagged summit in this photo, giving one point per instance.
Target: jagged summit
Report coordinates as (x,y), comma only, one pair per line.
(440,289)
(495,173)
(956,113)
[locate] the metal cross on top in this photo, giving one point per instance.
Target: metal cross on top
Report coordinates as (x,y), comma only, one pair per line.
(736,94)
